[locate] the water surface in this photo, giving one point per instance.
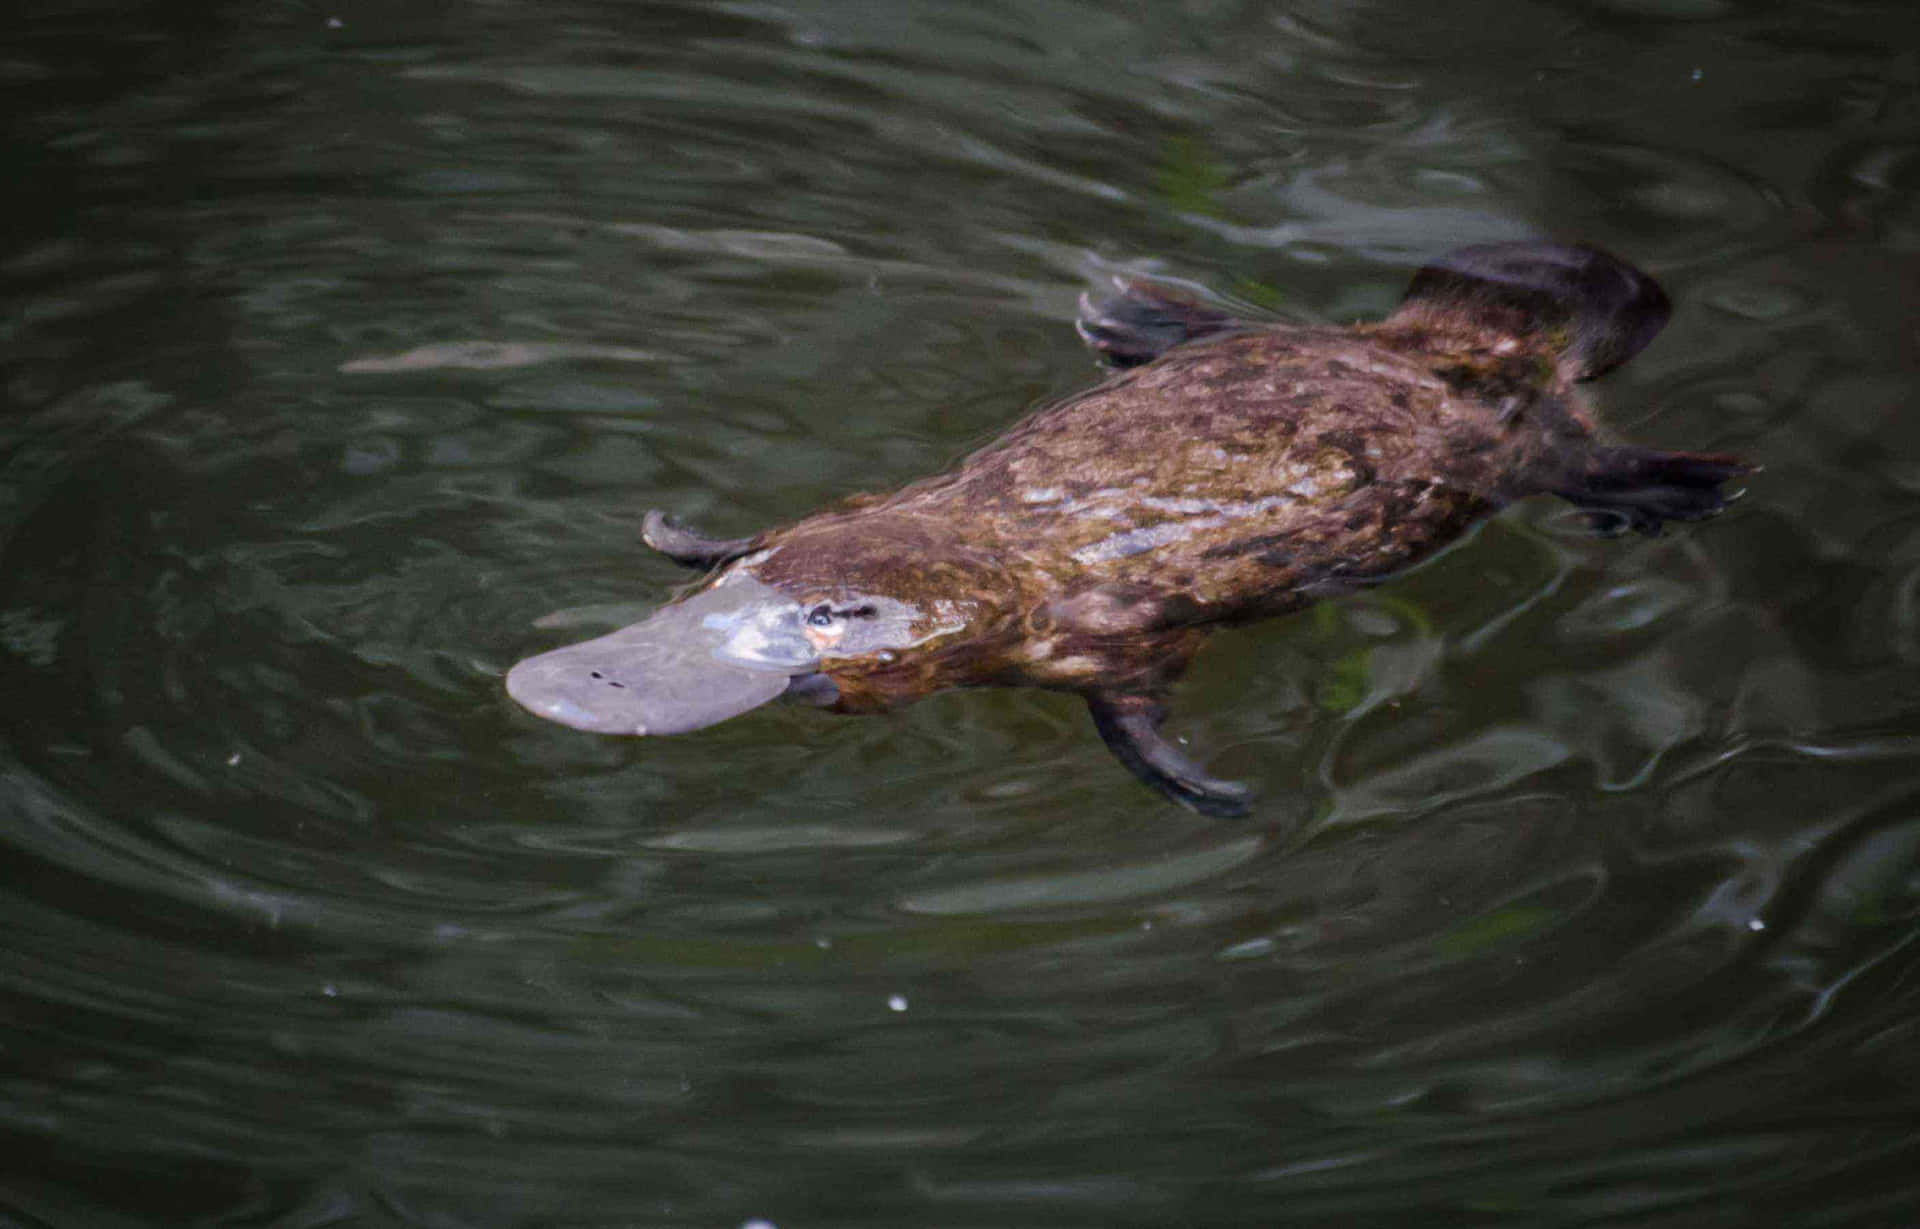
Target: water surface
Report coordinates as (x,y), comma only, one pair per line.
(342,344)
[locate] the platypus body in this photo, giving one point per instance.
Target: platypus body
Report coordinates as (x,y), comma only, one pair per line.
(1232,471)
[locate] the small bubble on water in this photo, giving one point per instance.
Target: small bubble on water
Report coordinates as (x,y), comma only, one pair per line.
(896,1002)
(1756,924)
(757,1223)
(330,990)
(334,23)
(233,761)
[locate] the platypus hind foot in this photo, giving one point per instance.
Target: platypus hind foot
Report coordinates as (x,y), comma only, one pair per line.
(1130,726)
(685,546)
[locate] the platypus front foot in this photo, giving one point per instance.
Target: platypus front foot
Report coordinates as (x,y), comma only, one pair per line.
(1641,489)
(1143,320)
(1130,726)
(685,546)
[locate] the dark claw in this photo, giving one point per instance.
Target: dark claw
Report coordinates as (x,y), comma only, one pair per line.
(685,546)
(1130,726)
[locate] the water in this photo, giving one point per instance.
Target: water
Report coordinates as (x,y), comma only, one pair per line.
(342,343)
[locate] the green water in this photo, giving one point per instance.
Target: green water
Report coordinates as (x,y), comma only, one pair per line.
(341,343)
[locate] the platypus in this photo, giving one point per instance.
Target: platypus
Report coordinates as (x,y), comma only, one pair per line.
(1232,470)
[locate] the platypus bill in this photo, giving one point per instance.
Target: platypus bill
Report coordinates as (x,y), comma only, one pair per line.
(1233,470)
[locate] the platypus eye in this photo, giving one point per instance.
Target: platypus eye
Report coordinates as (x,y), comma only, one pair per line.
(820,616)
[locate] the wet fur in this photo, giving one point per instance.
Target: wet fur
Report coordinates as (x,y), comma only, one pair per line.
(1236,471)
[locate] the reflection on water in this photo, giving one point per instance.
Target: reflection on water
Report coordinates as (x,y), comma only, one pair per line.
(344,343)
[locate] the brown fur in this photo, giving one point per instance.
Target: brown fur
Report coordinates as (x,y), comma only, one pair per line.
(1236,471)
(1234,478)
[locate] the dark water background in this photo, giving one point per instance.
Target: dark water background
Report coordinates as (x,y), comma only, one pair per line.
(341,342)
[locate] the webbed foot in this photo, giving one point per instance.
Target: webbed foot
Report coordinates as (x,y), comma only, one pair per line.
(688,547)
(1640,489)
(1145,320)
(1130,726)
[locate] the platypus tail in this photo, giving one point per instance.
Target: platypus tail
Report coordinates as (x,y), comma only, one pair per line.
(1641,489)
(1600,309)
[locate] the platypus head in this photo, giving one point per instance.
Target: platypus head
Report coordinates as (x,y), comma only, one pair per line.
(852,612)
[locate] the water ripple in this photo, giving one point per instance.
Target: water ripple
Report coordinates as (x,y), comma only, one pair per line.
(1581,886)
